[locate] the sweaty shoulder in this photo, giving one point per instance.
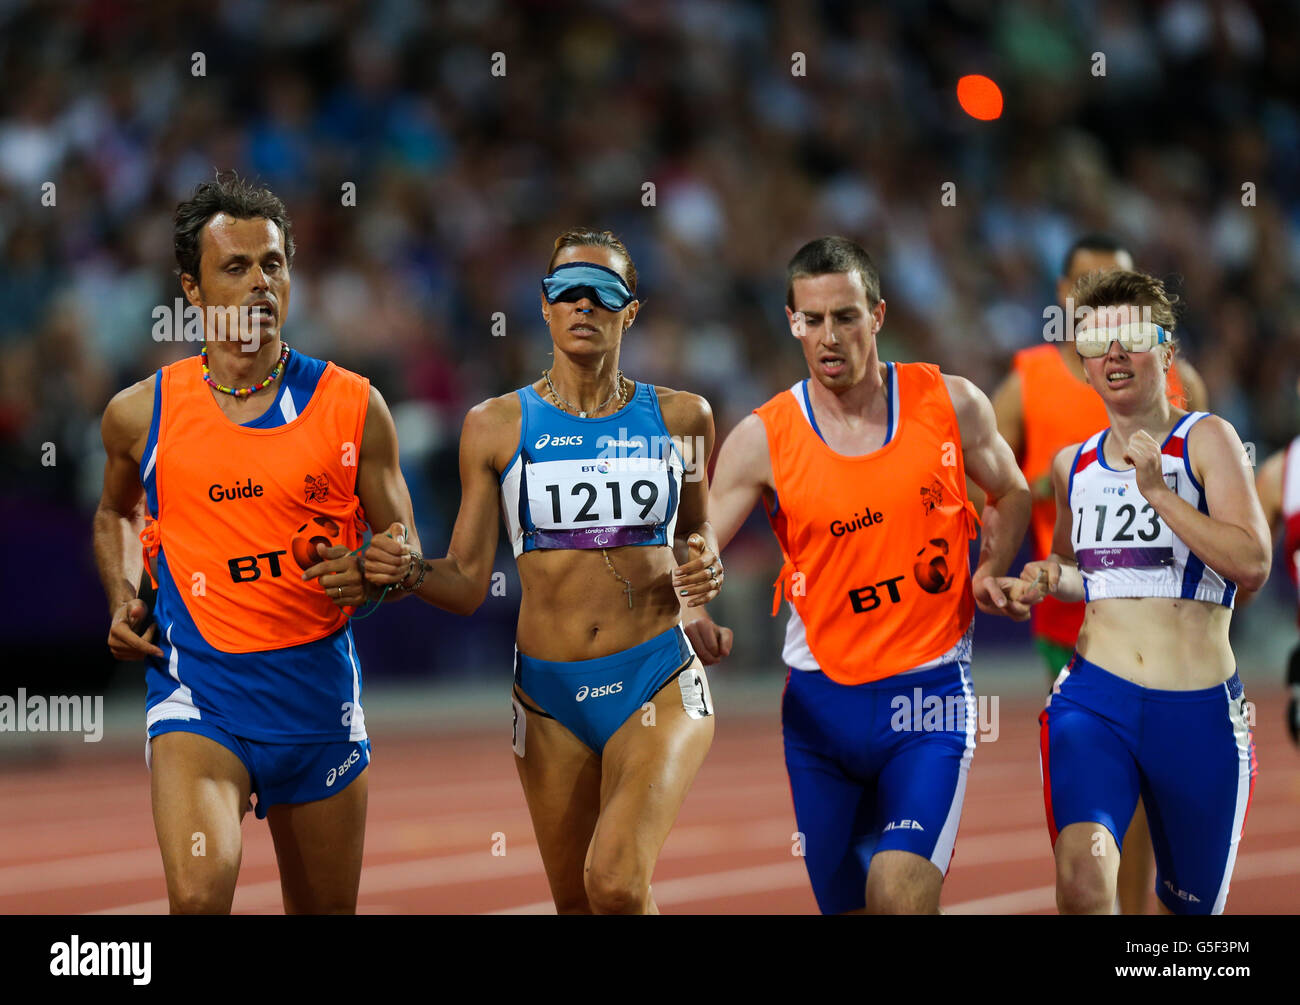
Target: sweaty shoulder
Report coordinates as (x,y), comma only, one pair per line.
(125,425)
(749,440)
(1212,439)
(684,413)
(968,401)
(491,429)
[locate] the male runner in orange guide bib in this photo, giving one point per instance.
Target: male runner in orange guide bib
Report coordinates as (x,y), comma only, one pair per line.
(862,470)
(255,467)
(1045,404)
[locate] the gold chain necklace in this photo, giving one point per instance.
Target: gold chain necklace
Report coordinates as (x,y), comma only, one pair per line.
(618,391)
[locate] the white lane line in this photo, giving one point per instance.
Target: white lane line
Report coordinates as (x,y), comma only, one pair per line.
(1282,862)
(731,883)
(398,876)
(1020,902)
(84,870)
(789,875)
(522,858)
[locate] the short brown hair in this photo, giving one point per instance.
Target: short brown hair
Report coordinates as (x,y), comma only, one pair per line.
(1121,287)
(829,255)
(581,237)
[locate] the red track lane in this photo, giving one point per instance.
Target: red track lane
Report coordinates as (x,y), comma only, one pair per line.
(78,837)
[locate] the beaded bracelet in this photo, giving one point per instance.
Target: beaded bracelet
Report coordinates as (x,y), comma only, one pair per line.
(416,559)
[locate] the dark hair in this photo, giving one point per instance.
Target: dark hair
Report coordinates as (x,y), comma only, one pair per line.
(1120,287)
(828,255)
(1093,242)
(579,237)
(232,195)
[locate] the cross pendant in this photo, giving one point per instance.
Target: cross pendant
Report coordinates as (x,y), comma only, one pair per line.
(628,590)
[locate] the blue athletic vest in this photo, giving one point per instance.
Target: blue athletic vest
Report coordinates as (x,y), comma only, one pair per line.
(581,483)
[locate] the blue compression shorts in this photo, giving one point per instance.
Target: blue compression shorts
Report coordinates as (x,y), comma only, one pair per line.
(876,767)
(1190,754)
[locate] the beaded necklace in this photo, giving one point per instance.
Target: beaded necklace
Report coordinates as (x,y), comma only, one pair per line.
(244,392)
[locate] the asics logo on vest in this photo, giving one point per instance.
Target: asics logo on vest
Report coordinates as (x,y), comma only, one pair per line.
(547,440)
(867,518)
(585,692)
(219,493)
(337,773)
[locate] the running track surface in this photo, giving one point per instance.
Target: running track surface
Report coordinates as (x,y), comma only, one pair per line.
(77,835)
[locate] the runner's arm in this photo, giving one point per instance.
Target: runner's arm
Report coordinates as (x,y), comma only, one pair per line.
(381,487)
(1233,538)
(119,518)
(992,466)
(459,582)
(1009,410)
(689,420)
(1268,484)
(741,476)
(1059,571)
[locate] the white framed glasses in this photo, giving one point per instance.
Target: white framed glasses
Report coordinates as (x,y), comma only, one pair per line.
(1141,336)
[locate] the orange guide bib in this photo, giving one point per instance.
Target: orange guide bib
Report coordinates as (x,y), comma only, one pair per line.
(876,547)
(240,510)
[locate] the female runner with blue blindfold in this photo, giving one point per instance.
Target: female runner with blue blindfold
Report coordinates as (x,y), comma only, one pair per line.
(603,487)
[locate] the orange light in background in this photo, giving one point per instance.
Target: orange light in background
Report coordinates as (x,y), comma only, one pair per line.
(979,97)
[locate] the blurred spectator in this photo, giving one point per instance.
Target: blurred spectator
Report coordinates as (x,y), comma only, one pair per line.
(430,154)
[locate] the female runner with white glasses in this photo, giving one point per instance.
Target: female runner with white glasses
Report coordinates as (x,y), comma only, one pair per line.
(1157,526)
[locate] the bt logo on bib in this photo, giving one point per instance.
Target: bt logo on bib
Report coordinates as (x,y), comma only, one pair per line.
(547,440)
(585,692)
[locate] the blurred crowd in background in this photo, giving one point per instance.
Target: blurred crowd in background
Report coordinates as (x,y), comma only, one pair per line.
(464,176)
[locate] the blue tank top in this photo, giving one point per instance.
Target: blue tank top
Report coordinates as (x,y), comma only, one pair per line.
(607,482)
(305,693)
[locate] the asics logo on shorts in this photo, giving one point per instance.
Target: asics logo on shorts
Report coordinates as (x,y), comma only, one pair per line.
(585,692)
(337,773)
(546,439)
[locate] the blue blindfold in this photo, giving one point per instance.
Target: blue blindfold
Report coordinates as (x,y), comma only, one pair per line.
(570,283)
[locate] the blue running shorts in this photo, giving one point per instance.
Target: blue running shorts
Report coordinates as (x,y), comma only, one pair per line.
(1190,754)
